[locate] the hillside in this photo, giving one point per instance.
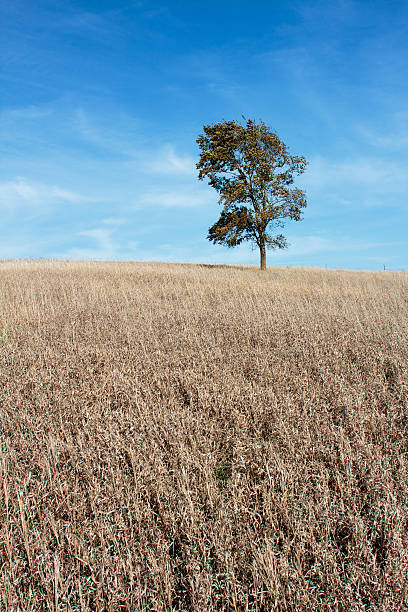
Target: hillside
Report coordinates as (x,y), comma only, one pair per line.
(180,437)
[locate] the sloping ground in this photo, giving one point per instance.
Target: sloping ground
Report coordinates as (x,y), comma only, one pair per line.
(178,437)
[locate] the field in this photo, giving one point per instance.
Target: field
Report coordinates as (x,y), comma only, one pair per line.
(180,437)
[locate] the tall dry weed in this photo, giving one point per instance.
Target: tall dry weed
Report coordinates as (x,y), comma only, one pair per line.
(179,437)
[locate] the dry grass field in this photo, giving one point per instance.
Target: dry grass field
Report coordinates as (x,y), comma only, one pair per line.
(179,437)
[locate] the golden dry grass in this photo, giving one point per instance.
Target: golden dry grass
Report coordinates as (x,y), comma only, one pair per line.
(179,437)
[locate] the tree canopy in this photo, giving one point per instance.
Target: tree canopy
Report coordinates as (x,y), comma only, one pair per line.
(252,170)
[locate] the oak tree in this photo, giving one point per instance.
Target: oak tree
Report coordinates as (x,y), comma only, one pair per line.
(252,170)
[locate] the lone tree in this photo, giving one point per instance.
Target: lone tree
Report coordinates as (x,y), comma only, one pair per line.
(251,169)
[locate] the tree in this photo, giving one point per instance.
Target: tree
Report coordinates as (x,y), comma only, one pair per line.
(251,169)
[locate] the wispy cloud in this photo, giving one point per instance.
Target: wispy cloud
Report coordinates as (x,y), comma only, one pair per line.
(307,245)
(20,192)
(87,21)
(119,137)
(392,137)
(182,197)
(102,245)
(32,112)
(167,161)
(126,138)
(366,172)
(113,221)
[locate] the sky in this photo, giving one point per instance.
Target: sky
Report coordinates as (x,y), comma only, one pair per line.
(101,103)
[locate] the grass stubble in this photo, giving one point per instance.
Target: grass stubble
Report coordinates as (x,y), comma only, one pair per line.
(180,437)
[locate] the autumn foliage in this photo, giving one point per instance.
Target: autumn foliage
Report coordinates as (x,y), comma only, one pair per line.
(252,170)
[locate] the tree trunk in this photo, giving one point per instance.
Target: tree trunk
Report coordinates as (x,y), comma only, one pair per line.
(262,252)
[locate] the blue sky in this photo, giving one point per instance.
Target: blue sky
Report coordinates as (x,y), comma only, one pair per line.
(101,103)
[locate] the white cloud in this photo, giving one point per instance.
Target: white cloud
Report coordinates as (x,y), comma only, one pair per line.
(125,139)
(114,221)
(102,245)
(20,192)
(120,136)
(166,161)
(390,138)
(9,116)
(183,197)
(367,172)
(102,236)
(307,245)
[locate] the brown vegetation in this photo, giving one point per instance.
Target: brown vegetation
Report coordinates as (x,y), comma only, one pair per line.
(178,437)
